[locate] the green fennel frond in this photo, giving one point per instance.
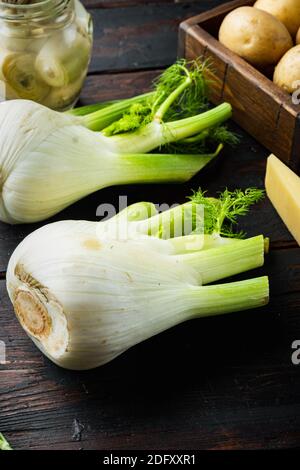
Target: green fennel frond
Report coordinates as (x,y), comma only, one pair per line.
(179,92)
(204,142)
(189,79)
(220,215)
(223,135)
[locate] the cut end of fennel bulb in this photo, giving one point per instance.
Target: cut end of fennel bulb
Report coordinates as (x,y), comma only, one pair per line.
(40,314)
(32,314)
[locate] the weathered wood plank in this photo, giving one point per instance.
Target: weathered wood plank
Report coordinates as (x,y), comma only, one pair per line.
(111,86)
(130,3)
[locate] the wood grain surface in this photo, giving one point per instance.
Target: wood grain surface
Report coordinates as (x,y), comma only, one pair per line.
(215,383)
(140,36)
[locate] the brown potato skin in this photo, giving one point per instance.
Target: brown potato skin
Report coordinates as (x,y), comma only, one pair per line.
(255,35)
(287,72)
(286,11)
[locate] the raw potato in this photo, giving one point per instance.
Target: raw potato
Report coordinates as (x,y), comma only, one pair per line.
(287,72)
(255,35)
(286,11)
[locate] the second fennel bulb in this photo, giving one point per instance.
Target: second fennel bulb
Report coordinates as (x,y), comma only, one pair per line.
(49,160)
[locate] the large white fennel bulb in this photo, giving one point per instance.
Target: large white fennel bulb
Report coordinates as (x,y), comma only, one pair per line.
(85,295)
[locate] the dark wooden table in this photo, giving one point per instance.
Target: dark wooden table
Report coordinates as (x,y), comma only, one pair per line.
(218,383)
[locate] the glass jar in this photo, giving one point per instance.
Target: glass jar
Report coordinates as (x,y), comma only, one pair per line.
(45,49)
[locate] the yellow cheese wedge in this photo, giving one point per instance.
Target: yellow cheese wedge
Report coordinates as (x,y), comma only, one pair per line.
(283,189)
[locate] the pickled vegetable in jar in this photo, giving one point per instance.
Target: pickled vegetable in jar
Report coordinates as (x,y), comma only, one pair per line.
(45,50)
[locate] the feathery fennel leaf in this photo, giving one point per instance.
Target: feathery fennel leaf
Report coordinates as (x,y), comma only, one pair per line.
(188,78)
(223,135)
(203,142)
(179,92)
(220,215)
(138,115)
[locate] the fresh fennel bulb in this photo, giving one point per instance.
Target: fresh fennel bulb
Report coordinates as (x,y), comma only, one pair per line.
(49,160)
(85,295)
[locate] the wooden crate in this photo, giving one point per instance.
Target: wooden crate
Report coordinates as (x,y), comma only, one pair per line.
(259,106)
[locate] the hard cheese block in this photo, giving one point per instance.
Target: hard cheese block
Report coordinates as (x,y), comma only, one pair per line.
(283,189)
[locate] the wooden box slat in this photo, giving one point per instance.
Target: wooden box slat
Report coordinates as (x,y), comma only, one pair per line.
(259,106)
